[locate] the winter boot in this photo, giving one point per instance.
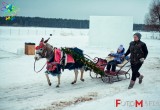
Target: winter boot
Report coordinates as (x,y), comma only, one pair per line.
(131,84)
(140,79)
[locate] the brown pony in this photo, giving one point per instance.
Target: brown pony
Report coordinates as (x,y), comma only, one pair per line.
(55,60)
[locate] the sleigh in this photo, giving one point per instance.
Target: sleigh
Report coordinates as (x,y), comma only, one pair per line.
(122,71)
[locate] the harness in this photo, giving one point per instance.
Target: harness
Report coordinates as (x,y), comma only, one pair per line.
(35,67)
(54,61)
(57,61)
(60,59)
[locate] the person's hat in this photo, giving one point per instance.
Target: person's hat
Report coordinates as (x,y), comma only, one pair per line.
(120,47)
(138,35)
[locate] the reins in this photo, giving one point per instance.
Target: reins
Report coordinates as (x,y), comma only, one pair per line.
(40,69)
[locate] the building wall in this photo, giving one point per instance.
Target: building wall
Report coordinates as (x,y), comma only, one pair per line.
(110,31)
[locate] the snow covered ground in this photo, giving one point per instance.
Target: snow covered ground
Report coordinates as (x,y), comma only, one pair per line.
(23,89)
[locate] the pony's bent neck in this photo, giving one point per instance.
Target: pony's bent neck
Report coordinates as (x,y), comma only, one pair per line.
(50,52)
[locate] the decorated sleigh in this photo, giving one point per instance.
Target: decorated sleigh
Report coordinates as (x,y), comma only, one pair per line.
(121,73)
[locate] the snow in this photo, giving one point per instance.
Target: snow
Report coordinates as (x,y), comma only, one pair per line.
(23,89)
(18,36)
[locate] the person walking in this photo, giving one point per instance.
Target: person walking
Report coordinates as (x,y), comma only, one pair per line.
(138,52)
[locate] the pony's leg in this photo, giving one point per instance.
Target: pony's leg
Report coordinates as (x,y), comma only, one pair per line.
(76,75)
(48,80)
(59,77)
(82,71)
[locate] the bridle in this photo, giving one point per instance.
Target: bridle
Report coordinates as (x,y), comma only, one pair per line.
(43,56)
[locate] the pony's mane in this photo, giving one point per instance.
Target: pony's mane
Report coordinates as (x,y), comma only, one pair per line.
(49,46)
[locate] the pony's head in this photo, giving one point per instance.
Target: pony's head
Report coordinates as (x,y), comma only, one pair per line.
(43,49)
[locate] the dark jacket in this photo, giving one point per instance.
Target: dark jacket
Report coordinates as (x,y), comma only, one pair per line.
(137,49)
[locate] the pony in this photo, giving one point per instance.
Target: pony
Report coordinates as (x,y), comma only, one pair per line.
(57,61)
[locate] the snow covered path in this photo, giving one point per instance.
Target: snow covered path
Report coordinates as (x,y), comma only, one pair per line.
(22,89)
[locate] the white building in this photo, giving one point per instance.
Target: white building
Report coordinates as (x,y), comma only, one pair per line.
(110,31)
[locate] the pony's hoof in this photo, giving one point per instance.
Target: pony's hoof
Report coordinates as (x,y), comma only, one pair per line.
(57,86)
(82,80)
(50,84)
(73,82)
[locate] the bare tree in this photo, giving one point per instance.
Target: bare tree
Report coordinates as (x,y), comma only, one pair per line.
(152,19)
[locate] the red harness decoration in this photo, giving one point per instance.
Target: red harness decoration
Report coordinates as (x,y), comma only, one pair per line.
(51,66)
(41,45)
(70,59)
(57,55)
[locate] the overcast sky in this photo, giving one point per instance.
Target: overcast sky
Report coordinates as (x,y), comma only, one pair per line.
(81,9)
